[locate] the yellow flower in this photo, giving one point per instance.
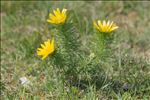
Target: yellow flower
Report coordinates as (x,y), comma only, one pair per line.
(104,26)
(58,17)
(46,48)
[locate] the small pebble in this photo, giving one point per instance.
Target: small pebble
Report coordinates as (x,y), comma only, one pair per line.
(24,81)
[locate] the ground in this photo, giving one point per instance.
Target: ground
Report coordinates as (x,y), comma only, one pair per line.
(126,71)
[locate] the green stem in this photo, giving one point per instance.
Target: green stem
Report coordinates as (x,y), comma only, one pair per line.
(101,44)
